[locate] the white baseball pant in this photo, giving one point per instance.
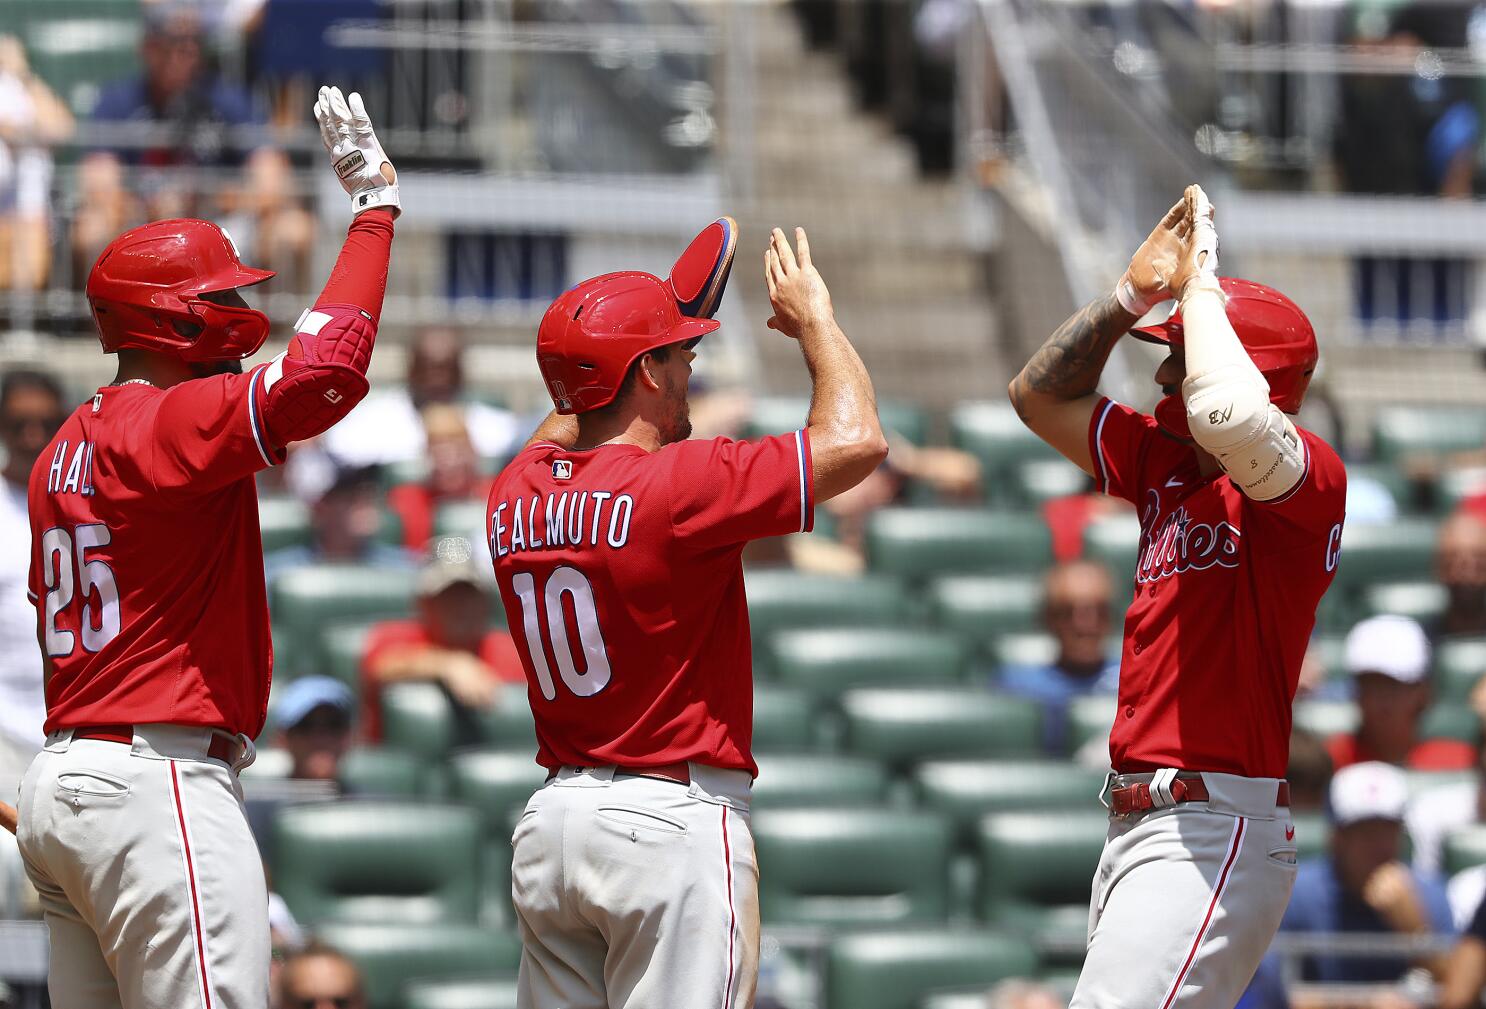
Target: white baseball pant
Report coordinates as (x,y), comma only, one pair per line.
(1187,898)
(150,881)
(634,893)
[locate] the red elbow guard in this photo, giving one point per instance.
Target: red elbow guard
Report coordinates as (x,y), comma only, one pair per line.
(322,376)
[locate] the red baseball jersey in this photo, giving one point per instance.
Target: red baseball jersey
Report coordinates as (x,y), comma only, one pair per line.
(1226,590)
(621,574)
(147,560)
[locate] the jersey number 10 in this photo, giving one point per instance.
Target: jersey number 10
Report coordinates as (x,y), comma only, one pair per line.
(568,581)
(59,550)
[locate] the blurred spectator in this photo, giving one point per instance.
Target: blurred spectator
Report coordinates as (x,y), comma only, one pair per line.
(1465,971)
(1309,772)
(454,474)
(1019,994)
(182,121)
(1388,657)
(313,717)
(1362,886)
(344,524)
(286,938)
(1077,607)
(1438,812)
(31,410)
(451,642)
(321,977)
(387,426)
(1460,566)
(946,472)
(32,119)
(1068,518)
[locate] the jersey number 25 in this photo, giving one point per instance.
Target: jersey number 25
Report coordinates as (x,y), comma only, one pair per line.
(571,582)
(59,551)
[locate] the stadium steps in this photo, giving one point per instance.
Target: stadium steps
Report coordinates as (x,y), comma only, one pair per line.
(903,255)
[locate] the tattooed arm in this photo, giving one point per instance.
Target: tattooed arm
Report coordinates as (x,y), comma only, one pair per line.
(1054,394)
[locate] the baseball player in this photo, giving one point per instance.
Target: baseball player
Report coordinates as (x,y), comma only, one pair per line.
(147,575)
(617,546)
(1241,518)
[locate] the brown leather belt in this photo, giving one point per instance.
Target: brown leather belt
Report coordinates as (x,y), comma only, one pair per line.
(679,772)
(1137,798)
(220,748)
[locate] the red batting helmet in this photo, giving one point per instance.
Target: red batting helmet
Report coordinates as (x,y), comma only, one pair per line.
(593,333)
(145,291)
(1271,327)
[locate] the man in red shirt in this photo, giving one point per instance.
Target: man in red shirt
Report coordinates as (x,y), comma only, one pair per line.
(450,643)
(147,575)
(1388,657)
(1241,517)
(617,545)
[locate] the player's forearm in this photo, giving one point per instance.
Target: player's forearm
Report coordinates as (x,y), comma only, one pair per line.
(846,439)
(413,663)
(1067,366)
(1465,975)
(558,429)
(359,277)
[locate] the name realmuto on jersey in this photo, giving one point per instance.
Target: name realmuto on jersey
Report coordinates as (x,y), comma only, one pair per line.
(553,521)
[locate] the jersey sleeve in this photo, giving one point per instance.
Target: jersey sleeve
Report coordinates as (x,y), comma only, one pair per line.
(209,432)
(729,492)
(1119,438)
(1314,507)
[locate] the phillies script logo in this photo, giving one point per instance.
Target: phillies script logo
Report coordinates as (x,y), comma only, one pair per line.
(1179,544)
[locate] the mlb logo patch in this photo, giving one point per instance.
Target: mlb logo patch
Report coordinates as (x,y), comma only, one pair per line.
(562,469)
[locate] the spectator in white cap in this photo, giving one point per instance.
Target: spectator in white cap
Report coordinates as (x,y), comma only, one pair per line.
(1362,886)
(1388,658)
(452,642)
(313,716)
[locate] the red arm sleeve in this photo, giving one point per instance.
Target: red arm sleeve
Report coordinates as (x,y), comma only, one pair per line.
(359,278)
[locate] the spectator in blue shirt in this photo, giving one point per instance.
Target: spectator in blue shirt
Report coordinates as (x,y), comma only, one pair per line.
(1077,608)
(1363,886)
(345,526)
(163,140)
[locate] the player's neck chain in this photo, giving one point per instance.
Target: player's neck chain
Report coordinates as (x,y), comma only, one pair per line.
(135,381)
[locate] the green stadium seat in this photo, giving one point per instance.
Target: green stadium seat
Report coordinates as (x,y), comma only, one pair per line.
(379,771)
(1042,480)
(1459,664)
(1090,718)
(838,867)
(1464,848)
(903,727)
(1029,648)
(307,601)
(825,662)
(984,607)
(1399,551)
(417,718)
(897,969)
(1113,541)
(1451,721)
(509,724)
(1423,600)
(108,31)
(788,600)
(1036,870)
(356,860)
(1312,834)
(1454,486)
(994,434)
(1386,476)
(496,783)
(923,543)
(285,522)
(818,781)
(781,414)
(468,993)
(1331,650)
(344,645)
(1326,718)
(393,957)
(967,790)
(465,519)
(1401,431)
(784,719)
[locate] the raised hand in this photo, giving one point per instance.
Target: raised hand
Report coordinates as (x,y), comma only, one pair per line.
(797,293)
(1147,280)
(1198,268)
(356,154)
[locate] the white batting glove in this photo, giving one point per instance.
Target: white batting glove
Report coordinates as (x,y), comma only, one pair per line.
(1199,267)
(355,153)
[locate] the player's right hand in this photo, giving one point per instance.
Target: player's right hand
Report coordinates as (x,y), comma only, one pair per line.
(356,154)
(1147,280)
(797,293)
